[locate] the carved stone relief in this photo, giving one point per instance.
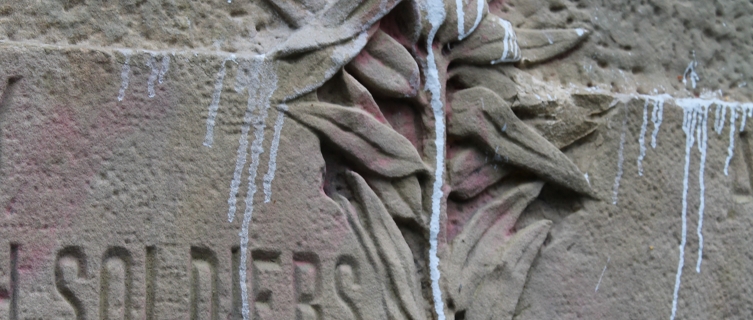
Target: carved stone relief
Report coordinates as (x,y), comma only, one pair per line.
(375,159)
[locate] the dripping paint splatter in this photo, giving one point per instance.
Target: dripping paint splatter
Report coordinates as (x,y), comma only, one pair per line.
(436,16)
(215,104)
(125,74)
(695,127)
(620,159)
(151,62)
(272,166)
(267,85)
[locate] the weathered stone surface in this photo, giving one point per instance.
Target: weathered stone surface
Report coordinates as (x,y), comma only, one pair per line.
(375,160)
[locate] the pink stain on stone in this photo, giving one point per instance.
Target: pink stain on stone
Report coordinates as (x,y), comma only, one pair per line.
(52,157)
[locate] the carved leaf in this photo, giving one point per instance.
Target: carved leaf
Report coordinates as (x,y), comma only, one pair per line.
(345,90)
(492,78)
(401,197)
(469,11)
(480,114)
(386,67)
(541,45)
(404,23)
(388,250)
(361,138)
(471,172)
(343,20)
(498,294)
(307,72)
(494,41)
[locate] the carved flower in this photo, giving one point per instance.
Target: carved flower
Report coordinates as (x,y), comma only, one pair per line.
(376,125)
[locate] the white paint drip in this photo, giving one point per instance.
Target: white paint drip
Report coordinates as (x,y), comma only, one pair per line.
(461,18)
(214,106)
(125,74)
(642,139)
(580,32)
(165,67)
(510,48)
(688,126)
(731,147)
(620,159)
(602,275)
(695,126)
(151,62)
(460,12)
(260,93)
(656,117)
(435,15)
(272,166)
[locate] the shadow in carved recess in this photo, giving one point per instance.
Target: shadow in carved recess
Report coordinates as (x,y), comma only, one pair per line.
(5,100)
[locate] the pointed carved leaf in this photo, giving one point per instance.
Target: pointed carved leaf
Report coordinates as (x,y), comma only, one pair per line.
(564,132)
(475,251)
(471,172)
(391,247)
(541,45)
(307,72)
(404,23)
(480,114)
(345,90)
(498,294)
(494,41)
(341,21)
(401,197)
(361,138)
(492,78)
(294,13)
(386,68)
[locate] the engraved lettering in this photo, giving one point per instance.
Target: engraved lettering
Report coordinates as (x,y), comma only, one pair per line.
(267,272)
(115,284)
(205,297)
(5,97)
(307,285)
(347,283)
(70,273)
(151,281)
(235,280)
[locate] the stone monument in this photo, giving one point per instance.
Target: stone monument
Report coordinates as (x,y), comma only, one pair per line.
(375,159)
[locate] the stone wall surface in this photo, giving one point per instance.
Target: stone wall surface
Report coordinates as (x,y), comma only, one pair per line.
(376,159)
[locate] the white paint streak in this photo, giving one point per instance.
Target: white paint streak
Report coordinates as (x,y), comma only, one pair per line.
(125,74)
(215,104)
(510,48)
(656,117)
(151,62)
(642,139)
(731,147)
(459,11)
(165,67)
(602,275)
(436,16)
(264,87)
(272,166)
(688,126)
(461,25)
(620,159)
